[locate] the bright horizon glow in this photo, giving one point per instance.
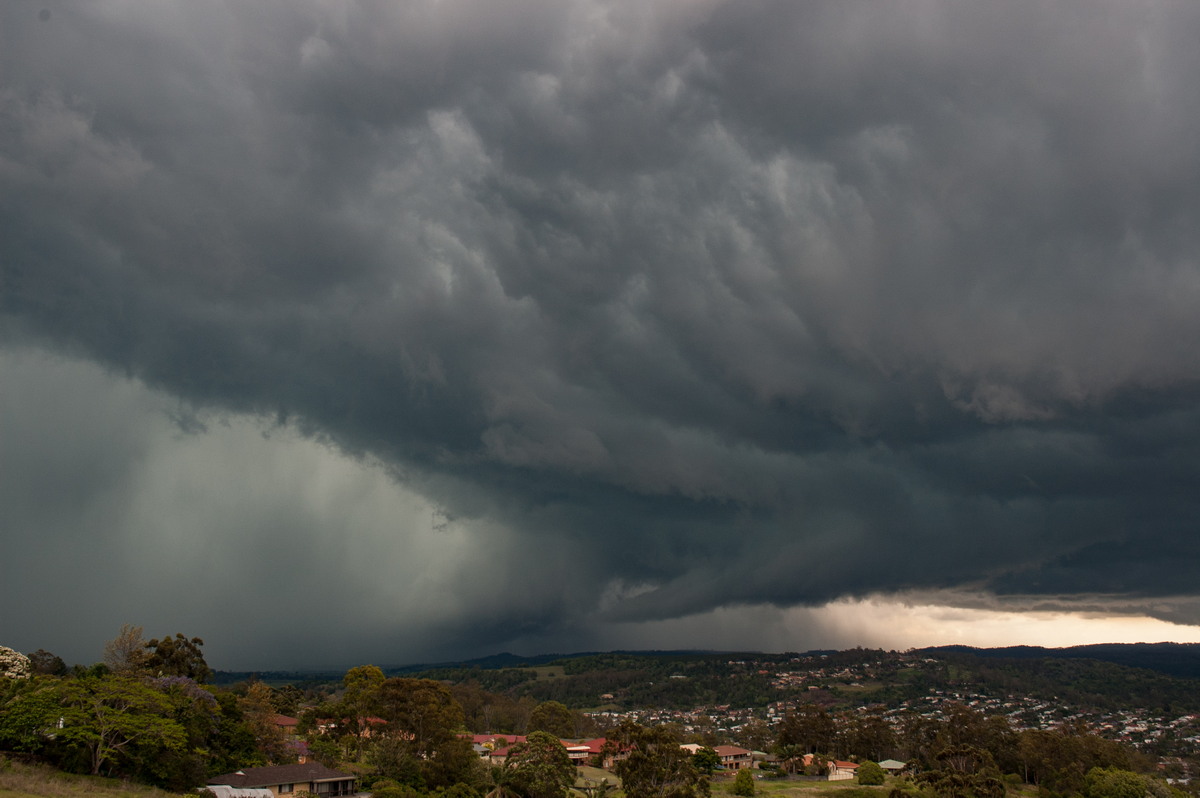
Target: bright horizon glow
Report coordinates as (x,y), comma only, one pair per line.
(877,622)
(900,625)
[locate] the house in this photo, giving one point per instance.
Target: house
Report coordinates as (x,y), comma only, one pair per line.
(840,771)
(287,725)
(588,752)
(734,758)
(892,766)
(362,727)
(287,780)
(494,741)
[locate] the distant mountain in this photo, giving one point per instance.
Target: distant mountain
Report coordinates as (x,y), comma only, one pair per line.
(1181,660)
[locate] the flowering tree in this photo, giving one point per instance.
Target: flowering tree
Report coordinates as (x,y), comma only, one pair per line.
(14,664)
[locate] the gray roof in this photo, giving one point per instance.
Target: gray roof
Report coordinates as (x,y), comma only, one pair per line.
(280,774)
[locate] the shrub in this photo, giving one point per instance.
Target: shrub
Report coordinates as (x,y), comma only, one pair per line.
(743,783)
(870,773)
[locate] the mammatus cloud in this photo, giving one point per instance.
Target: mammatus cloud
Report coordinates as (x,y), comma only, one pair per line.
(615,313)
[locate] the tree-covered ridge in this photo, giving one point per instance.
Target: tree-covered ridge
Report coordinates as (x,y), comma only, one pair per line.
(684,680)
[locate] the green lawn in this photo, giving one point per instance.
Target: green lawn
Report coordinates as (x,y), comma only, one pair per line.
(807,789)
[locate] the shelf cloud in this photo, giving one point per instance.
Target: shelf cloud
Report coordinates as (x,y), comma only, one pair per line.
(446,324)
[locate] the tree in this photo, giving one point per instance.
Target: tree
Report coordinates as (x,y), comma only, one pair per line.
(791,757)
(232,744)
(47,664)
(286,699)
(810,727)
(126,653)
(552,717)
(963,770)
(115,717)
(258,709)
(420,711)
(177,656)
(706,760)
(743,783)
(870,774)
(1113,783)
(29,718)
(656,767)
(422,724)
(360,699)
(755,735)
(198,713)
(866,735)
(539,767)
(14,664)
(362,688)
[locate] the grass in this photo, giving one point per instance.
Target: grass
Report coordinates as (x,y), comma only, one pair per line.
(807,789)
(38,781)
(596,774)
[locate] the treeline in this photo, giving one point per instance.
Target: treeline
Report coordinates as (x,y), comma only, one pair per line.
(669,681)
(684,681)
(957,744)
(1080,682)
(145,713)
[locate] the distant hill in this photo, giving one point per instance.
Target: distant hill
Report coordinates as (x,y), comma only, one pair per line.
(1181,660)
(1161,675)
(492,662)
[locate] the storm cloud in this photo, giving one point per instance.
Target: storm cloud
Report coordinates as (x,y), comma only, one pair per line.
(604,312)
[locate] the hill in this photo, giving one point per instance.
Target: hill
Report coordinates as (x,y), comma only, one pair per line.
(1173,659)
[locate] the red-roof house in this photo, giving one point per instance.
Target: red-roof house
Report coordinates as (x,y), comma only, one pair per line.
(734,758)
(840,771)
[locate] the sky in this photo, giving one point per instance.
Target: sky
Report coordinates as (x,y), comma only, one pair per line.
(400,332)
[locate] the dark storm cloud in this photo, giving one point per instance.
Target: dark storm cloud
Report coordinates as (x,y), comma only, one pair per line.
(703,293)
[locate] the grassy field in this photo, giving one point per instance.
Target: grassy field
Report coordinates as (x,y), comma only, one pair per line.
(36,781)
(770,788)
(807,789)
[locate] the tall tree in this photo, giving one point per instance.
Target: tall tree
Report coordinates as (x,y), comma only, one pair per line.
(177,656)
(552,717)
(423,720)
(539,767)
(126,653)
(360,700)
(809,727)
(115,718)
(47,664)
(258,710)
(656,767)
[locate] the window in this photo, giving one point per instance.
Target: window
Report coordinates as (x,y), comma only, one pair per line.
(286,788)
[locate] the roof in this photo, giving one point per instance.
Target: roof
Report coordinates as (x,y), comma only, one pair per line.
(285,720)
(891,764)
(731,750)
(482,739)
(840,765)
(280,774)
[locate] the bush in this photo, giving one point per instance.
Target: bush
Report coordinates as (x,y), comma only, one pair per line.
(870,773)
(743,783)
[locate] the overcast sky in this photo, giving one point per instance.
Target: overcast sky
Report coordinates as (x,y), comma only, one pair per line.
(401,331)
